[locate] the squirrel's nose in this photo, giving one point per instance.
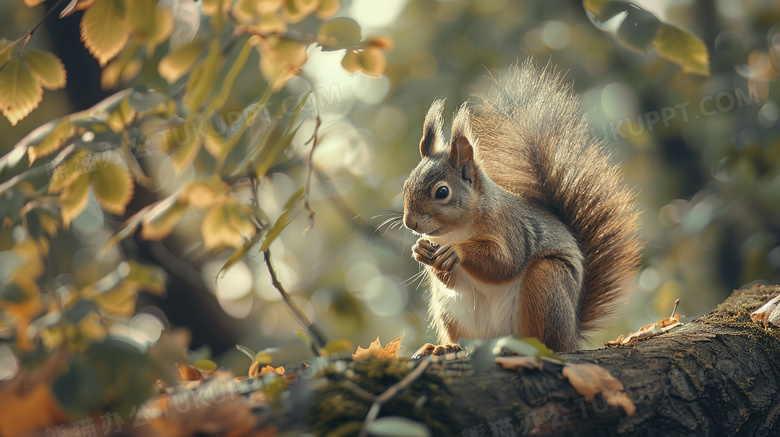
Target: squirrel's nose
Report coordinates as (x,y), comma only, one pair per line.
(410,223)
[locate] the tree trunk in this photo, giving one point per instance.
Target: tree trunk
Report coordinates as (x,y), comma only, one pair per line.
(718,375)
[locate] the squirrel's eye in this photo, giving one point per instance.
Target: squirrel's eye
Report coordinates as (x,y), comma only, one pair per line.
(442,192)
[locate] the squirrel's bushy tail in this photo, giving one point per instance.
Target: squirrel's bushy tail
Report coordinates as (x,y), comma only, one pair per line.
(540,147)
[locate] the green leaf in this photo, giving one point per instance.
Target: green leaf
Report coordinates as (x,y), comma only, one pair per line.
(147,101)
(528,346)
(268,153)
(202,80)
(394,426)
(147,277)
(185,152)
(246,351)
(104,29)
(303,336)
(178,62)
(112,184)
(5,52)
(265,356)
(20,91)
(239,254)
(683,48)
(160,220)
(639,28)
(284,219)
(339,33)
(127,229)
(53,141)
(205,365)
(230,78)
(336,346)
(46,67)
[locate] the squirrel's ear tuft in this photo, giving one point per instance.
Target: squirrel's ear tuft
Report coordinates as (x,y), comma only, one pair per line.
(461,147)
(432,130)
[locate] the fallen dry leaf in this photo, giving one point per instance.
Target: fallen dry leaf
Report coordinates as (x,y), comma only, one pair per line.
(375,349)
(769,313)
(519,362)
(651,330)
(212,409)
(591,379)
(268,369)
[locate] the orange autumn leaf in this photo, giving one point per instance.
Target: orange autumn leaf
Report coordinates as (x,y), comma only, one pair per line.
(255,370)
(27,402)
(188,373)
(375,349)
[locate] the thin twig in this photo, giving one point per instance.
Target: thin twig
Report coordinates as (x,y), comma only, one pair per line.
(27,35)
(310,170)
(391,392)
(319,339)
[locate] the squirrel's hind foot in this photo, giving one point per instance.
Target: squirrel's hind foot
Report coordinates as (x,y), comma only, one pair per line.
(436,349)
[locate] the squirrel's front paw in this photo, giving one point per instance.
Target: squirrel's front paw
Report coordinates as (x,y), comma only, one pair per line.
(443,258)
(423,251)
(446,258)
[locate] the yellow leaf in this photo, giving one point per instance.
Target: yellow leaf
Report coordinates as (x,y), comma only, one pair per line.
(20,91)
(244,11)
(281,59)
(46,67)
(112,184)
(297,10)
(159,222)
(376,349)
(53,141)
(120,300)
(104,29)
(149,23)
(203,193)
(147,277)
(76,165)
(32,3)
(339,33)
(121,116)
(268,6)
(328,8)
(683,48)
(370,61)
(379,42)
(178,62)
(73,199)
(32,264)
(5,53)
(202,80)
(76,5)
(211,7)
(226,224)
(185,153)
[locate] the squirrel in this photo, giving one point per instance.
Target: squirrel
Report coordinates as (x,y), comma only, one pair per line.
(525,226)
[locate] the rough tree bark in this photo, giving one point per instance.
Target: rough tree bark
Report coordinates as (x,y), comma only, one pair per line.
(718,375)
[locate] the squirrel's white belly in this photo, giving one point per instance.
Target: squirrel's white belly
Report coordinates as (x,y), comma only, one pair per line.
(480,309)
